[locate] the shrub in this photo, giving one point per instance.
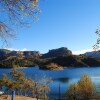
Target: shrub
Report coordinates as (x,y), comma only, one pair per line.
(84,89)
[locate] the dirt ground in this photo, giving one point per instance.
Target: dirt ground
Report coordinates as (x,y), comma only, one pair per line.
(5,97)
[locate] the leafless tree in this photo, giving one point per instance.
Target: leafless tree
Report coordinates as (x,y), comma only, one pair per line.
(16,13)
(97,45)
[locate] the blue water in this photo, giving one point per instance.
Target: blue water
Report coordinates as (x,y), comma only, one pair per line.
(61,77)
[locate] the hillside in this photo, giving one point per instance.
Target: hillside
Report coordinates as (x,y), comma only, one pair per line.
(53,60)
(4,52)
(93,54)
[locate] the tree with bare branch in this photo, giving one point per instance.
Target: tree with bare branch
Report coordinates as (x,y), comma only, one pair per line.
(97,45)
(16,13)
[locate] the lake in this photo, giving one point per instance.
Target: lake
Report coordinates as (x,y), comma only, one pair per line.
(61,78)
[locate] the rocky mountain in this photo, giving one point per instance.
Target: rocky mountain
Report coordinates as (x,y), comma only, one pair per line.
(8,53)
(53,60)
(4,52)
(63,51)
(93,54)
(32,53)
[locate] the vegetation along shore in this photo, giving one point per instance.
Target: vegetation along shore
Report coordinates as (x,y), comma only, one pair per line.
(55,59)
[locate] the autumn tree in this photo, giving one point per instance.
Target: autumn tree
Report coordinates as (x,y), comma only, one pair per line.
(84,89)
(44,87)
(18,81)
(41,87)
(28,86)
(6,82)
(18,78)
(16,13)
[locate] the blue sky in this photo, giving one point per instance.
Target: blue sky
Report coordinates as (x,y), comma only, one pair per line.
(62,23)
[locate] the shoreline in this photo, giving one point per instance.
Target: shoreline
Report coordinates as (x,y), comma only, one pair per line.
(50,69)
(16,97)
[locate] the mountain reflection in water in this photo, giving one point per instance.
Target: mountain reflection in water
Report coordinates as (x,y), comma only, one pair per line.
(62,80)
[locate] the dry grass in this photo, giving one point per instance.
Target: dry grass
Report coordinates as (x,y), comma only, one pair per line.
(8,97)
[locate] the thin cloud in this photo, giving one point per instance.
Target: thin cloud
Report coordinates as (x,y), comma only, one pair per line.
(82,51)
(12,49)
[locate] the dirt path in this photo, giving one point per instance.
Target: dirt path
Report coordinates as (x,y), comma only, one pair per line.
(5,97)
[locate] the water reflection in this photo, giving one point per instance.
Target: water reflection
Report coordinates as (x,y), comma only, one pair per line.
(62,79)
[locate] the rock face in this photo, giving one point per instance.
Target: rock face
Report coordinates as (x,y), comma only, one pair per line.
(57,52)
(55,59)
(4,52)
(93,54)
(52,53)
(32,53)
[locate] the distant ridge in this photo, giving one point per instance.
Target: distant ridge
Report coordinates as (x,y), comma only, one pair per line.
(55,59)
(93,54)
